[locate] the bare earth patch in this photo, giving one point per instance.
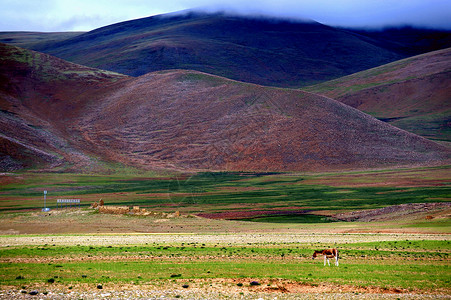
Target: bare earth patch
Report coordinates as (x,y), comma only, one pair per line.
(443,209)
(218,288)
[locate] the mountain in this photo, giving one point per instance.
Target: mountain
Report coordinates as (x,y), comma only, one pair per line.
(274,52)
(413,94)
(72,117)
(265,51)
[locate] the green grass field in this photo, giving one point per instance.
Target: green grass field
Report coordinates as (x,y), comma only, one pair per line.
(425,264)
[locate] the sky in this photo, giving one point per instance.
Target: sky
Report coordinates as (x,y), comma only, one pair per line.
(85,15)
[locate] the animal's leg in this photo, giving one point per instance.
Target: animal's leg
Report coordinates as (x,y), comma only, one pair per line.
(336,261)
(325,259)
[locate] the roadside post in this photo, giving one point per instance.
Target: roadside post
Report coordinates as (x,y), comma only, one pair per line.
(45,206)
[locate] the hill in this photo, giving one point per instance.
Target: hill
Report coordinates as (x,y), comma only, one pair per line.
(38,95)
(413,94)
(187,120)
(265,51)
(193,120)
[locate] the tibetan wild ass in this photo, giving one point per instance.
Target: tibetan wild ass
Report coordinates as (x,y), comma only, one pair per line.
(327,253)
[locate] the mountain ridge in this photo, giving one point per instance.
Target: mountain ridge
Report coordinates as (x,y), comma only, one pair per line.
(256,49)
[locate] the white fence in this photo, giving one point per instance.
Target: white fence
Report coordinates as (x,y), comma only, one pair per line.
(67,202)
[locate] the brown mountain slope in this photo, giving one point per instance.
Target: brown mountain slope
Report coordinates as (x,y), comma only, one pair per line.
(191,120)
(39,94)
(65,115)
(413,94)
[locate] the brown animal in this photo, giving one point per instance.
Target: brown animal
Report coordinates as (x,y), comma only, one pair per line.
(327,253)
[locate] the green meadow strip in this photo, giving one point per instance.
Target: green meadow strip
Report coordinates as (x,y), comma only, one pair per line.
(411,265)
(409,275)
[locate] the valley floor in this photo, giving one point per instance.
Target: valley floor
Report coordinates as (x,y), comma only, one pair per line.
(392,229)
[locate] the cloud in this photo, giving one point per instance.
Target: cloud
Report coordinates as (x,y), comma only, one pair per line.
(67,15)
(363,13)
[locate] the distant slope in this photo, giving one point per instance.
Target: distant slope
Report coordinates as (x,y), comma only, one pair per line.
(257,50)
(39,95)
(413,94)
(408,40)
(60,115)
(26,39)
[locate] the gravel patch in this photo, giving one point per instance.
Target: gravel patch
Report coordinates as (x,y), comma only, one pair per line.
(198,294)
(233,239)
